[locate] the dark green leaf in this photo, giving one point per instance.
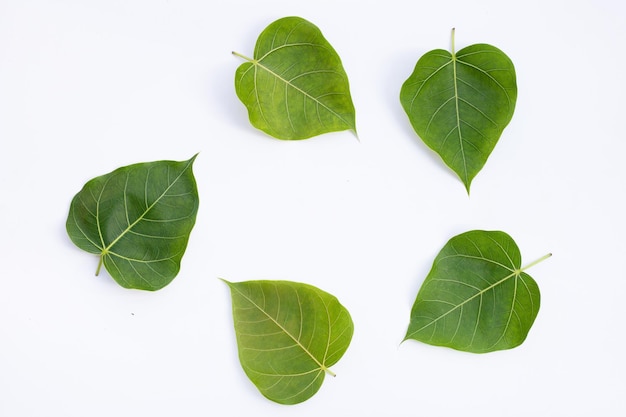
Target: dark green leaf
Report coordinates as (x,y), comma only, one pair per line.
(288,335)
(138,218)
(477,297)
(295,87)
(459,103)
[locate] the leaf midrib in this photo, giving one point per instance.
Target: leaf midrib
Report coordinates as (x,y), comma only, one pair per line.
(458,116)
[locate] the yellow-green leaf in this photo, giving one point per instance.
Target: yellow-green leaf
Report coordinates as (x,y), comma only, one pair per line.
(288,334)
(295,86)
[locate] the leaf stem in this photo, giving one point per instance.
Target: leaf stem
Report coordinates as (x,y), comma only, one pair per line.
(530,265)
(99,264)
(452,45)
(329,372)
(243,57)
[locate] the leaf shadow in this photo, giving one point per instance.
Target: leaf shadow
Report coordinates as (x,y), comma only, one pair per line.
(230,107)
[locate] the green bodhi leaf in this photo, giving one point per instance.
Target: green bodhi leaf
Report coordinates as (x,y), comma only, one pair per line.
(477,297)
(138,219)
(288,336)
(295,87)
(459,103)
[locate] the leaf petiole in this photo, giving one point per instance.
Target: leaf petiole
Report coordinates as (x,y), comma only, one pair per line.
(530,265)
(452,50)
(329,372)
(99,264)
(244,57)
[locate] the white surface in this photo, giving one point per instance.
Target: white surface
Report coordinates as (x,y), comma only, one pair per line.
(89,86)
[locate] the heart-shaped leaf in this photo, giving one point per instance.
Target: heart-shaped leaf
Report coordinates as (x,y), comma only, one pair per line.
(288,335)
(138,218)
(295,87)
(459,103)
(477,297)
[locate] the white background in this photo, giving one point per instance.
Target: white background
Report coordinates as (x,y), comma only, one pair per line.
(89,86)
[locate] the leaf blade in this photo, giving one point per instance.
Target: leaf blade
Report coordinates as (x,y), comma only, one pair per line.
(138,218)
(295,87)
(288,335)
(476,298)
(460,103)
